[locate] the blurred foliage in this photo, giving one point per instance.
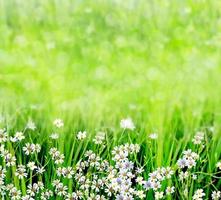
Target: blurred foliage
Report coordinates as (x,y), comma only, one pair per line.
(107,59)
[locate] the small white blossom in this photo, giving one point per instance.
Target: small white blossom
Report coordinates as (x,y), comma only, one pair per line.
(81,135)
(216,195)
(158,195)
(10,160)
(198,195)
(218,165)
(40,170)
(170,190)
(99,138)
(31,166)
(31,125)
(21,172)
(19,136)
(3,135)
(58,123)
(54,136)
(198,138)
(153,136)
(127,124)
(14,194)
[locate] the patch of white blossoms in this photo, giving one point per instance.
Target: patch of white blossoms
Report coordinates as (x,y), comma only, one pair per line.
(121,177)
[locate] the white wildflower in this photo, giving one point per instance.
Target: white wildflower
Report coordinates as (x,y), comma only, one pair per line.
(31,125)
(170,190)
(19,136)
(31,165)
(40,170)
(10,160)
(3,135)
(153,136)
(21,172)
(158,195)
(58,123)
(81,135)
(54,136)
(216,195)
(127,124)
(99,138)
(198,138)
(218,165)
(198,195)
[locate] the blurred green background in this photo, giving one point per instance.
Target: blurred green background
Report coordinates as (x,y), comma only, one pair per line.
(155,61)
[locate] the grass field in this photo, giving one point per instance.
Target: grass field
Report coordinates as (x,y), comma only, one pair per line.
(137,72)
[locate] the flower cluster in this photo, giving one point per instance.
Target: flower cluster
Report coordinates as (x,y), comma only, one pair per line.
(188,160)
(120,176)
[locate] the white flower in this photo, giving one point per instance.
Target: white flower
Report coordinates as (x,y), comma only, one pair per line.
(31,125)
(81,135)
(99,138)
(10,160)
(31,148)
(67,172)
(58,123)
(183,175)
(13,139)
(194,176)
(37,148)
(14,193)
(54,136)
(19,136)
(140,194)
(198,138)
(182,163)
(60,189)
(127,124)
(198,195)
(216,195)
(40,170)
(153,136)
(158,195)
(3,135)
(46,195)
(218,165)
(21,172)
(31,166)
(2,172)
(155,185)
(170,190)
(56,156)
(139,180)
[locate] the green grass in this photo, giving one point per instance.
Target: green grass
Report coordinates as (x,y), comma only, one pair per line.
(94,63)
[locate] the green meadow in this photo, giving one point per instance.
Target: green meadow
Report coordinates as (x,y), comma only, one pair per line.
(92,64)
